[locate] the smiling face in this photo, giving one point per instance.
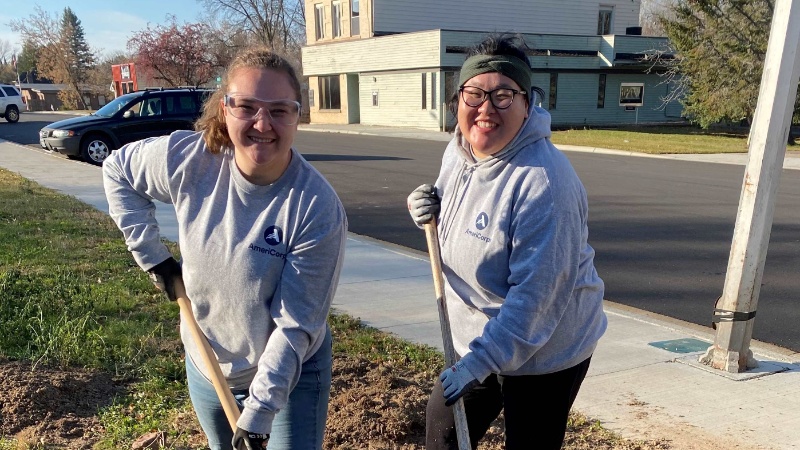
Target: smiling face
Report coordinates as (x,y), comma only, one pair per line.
(485,127)
(262,149)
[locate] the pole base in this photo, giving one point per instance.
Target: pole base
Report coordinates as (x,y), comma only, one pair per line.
(728,361)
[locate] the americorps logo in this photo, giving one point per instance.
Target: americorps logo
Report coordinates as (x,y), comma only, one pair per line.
(482,221)
(273,235)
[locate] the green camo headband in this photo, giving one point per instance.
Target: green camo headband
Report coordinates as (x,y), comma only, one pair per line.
(510,66)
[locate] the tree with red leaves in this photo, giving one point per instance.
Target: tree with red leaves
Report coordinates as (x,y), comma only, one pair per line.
(176,54)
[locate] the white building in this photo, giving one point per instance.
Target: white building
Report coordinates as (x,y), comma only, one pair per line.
(394,62)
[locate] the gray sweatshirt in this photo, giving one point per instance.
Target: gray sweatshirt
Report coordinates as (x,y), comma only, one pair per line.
(522,292)
(260,263)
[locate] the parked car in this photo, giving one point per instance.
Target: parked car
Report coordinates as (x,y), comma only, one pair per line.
(11,103)
(128,118)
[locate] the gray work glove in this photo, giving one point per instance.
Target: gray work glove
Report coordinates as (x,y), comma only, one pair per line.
(245,440)
(456,381)
(164,275)
(424,204)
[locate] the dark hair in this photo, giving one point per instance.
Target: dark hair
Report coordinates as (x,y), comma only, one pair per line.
(212,121)
(507,44)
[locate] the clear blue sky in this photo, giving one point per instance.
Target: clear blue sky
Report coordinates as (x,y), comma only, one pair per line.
(108,24)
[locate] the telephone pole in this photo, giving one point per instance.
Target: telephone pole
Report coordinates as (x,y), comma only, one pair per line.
(736,309)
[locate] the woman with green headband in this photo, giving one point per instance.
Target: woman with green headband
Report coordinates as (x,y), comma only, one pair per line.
(523,296)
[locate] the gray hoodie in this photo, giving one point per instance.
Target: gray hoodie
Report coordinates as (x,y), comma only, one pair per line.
(260,263)
(522,292)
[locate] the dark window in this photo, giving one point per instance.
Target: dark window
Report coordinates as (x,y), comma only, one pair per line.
(329,97)
(10,91)
(551,104)
(181,104)
(355,28)
(604,21)
(433,90)
(601,91)
(424,91)
(374,98)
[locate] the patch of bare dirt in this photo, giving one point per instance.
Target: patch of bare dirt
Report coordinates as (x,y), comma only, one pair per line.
(373,406)
(43,404)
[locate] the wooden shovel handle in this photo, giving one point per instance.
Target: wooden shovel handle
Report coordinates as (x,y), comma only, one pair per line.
(459,413)
(209,358)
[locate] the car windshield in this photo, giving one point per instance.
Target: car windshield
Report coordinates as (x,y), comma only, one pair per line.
(115,105)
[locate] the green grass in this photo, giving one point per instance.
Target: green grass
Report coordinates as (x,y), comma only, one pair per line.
(71,295)
(658,140)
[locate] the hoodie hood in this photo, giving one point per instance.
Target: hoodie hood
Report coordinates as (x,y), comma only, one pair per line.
(535,127)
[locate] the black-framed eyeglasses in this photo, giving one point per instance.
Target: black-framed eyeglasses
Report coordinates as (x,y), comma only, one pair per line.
(281,112)
(501,98)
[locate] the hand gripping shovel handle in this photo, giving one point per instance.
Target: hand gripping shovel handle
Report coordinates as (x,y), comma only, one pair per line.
(432,235)
(209,358)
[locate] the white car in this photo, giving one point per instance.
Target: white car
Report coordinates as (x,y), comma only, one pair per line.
(11,103)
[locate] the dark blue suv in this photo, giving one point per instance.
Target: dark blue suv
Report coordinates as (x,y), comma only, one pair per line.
(128,118)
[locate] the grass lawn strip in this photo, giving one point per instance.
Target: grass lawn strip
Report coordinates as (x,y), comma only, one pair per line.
(73,301)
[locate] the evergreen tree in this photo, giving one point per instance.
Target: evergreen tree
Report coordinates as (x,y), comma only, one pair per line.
(79,59)
(26,62)
(721,46)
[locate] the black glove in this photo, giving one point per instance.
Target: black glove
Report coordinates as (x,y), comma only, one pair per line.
(164,275)
(245,440)
(423,204)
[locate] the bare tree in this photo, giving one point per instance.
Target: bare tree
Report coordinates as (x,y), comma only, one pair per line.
(277,24)
(6,51)
(62,53)
(650,12)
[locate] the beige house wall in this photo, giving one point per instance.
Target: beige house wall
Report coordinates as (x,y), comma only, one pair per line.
(330,116)
(364,21)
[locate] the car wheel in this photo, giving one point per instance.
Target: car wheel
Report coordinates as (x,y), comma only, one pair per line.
(95,149)
(12,114)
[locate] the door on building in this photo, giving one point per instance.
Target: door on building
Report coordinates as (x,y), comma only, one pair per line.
(353,103)
(449,90)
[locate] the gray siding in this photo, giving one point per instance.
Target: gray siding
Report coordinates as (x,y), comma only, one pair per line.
(577,100)
(523,16)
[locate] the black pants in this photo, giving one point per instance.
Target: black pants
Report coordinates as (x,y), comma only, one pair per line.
(536,410)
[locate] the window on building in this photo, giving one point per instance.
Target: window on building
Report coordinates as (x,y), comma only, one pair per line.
(355,29)
(424,91)
(337,19)
(551,104)
(319,20)
(374,98)
(310,98)
(601,92)
(329,96)
(433,90)
(604,20)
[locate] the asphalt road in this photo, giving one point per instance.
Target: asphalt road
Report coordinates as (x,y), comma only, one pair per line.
(662,229)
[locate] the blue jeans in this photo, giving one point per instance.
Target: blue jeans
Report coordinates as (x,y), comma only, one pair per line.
(298,426)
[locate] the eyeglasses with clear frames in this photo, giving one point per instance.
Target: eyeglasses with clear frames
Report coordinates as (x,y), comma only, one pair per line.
(501,98)
(280,112)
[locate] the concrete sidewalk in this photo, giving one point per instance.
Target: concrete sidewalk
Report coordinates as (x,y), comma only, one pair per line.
(643,382)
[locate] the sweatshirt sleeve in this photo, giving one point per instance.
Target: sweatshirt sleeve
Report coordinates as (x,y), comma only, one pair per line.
(133,177)
(544,258)
(300,310)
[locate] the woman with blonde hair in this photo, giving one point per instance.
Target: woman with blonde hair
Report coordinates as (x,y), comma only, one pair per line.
(262,237)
